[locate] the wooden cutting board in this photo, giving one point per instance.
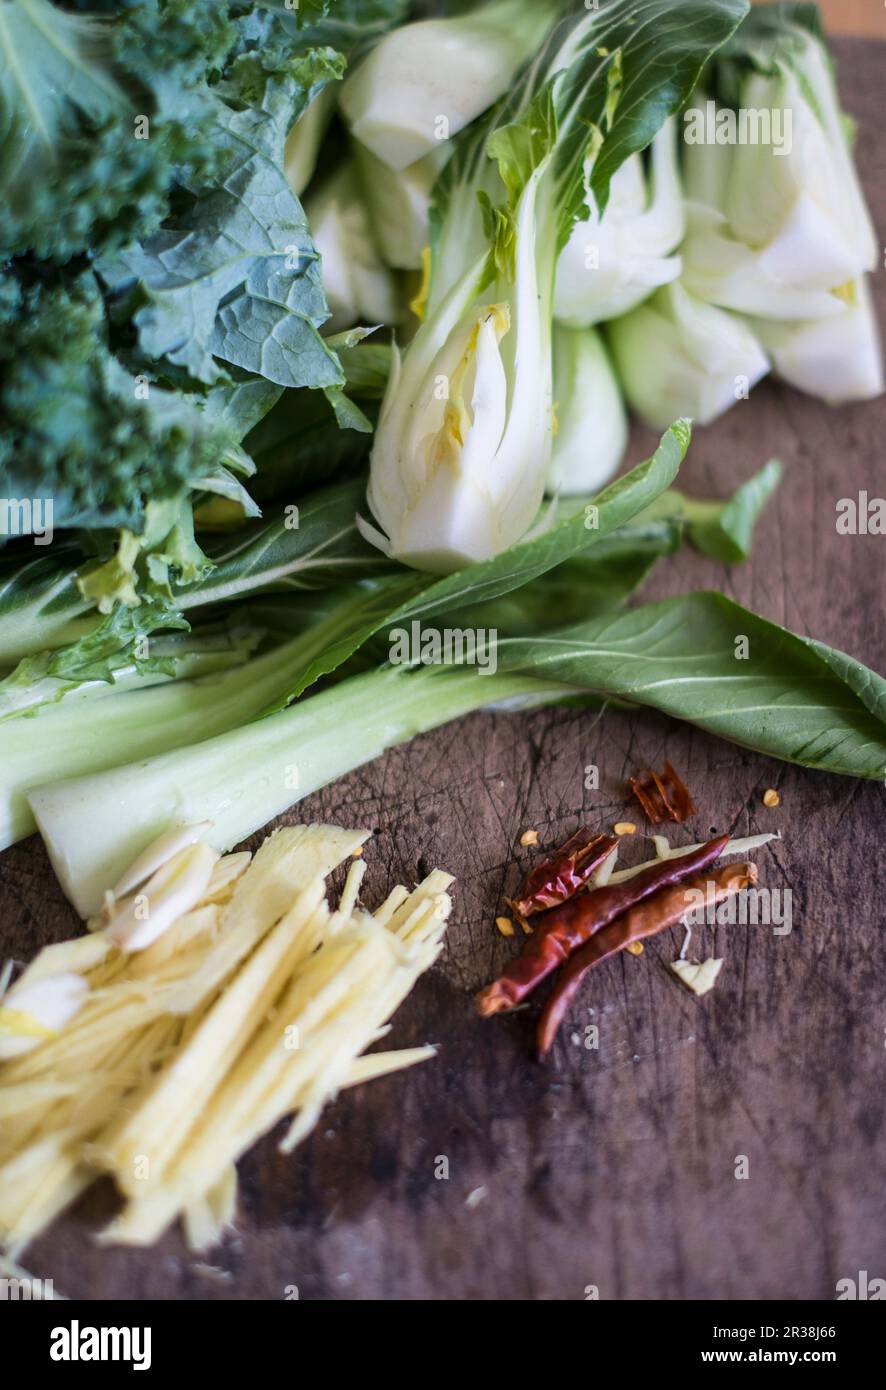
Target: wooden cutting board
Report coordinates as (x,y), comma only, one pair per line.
(613,1167)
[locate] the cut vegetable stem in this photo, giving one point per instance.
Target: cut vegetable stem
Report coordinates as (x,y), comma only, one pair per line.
(95,825)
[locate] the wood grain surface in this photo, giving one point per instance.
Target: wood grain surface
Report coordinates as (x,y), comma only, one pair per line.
(867,17)
(612,1167)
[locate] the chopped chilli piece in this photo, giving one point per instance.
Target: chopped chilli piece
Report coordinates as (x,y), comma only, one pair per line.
(560,932)
(556,879)
(663,795)
(665,909)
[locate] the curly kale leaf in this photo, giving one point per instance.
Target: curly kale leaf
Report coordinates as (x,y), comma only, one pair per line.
(344,24)
(77,427)
(234,275)
(97,115)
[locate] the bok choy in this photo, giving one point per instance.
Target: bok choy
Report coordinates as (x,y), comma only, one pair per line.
(612,263)
(778,227)
(824,711)
(464,440)
(425,82)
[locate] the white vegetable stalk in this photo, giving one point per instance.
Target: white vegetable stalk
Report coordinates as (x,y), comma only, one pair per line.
(751,279)
(463,442)
(678,356)
(94,826)
(810,199)
(305,138)
(399,203)
(67,739)
(424,82)
(611,264)
(591,422)
(779,225)
(838,358)
(359,287)
(175,887)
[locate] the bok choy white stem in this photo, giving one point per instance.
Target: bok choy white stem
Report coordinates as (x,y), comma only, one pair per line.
(591,421)
(424,82)
(677,355)
(837,358)
(358,285)
(612,263)
(95,825)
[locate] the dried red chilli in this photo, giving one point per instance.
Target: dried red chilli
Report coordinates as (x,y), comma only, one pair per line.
(560,932)
(662,910)
(558,878)
(664,795)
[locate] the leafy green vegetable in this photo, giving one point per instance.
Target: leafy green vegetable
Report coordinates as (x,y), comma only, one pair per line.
(778,693)
(303,545)
(66,402)
(342,623)
(297,547)
(790,698)
(609,562)
(164,287)
(40,604)
(610,559)
(660,64)
(591,556)
(722,530)
(348,25)
(236,277)
(413,596)
(173,656)
(97,113)
(122,641)
(596,582)
(458,476)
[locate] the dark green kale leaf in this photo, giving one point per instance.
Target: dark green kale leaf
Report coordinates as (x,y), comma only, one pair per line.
(98,113)
(77,427)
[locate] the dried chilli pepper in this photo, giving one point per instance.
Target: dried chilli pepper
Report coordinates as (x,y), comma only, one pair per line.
(558,878)
(560,932)
(664,909)
(663,795)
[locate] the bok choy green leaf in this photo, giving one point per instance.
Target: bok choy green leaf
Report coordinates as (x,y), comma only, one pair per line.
(774,692)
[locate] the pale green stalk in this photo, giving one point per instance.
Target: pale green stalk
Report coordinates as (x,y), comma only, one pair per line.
(95,825)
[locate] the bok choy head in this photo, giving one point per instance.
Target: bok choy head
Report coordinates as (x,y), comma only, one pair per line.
(778,222)
(612,263)
(464,440)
